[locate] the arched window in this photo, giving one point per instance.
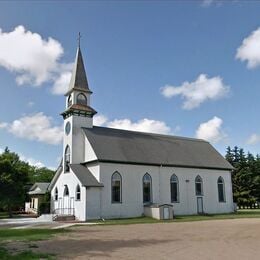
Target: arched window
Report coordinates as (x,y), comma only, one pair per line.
(81,99)
(199,186)
(66,191)
(69,101)
(67,159)
(78,195)
(221,190)
(174,188)
(147,188)
(116,184)
(56,194)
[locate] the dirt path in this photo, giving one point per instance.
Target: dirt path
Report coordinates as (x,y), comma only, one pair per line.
(218,239)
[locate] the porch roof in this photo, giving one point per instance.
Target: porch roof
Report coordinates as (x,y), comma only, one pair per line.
(85,176)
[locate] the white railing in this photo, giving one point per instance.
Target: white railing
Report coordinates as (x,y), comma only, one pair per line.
(64,211)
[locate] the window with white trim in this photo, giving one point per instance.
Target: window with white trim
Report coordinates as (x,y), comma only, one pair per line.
(147,188)
(116,186)
(174,188)
(56,194)
(198,186)
(78,193)
(81,99)
(67,159)
(221,190)
(66,191)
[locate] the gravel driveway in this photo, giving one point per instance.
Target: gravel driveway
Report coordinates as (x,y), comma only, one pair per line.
(216,239)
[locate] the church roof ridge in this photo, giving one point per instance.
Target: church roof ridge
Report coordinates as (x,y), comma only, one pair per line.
(149,133)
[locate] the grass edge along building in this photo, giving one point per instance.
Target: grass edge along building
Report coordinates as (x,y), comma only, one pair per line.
(112,173)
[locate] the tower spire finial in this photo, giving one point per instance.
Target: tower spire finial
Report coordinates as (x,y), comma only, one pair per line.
(79,37)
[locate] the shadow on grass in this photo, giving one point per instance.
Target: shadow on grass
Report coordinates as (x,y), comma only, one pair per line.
(25,255)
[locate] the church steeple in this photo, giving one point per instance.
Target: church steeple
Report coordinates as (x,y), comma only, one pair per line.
(78,94)
(77,115)
(79,79)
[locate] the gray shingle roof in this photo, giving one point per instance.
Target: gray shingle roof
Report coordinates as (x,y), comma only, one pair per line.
(114,145)
(56,176)
(85,176)
(39,188)
(78,77)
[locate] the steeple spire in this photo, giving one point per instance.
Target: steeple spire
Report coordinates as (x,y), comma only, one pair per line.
(78,94)
(79,37)
(79,79)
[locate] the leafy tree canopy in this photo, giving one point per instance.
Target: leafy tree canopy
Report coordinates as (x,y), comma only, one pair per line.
(245,176)
(15,178)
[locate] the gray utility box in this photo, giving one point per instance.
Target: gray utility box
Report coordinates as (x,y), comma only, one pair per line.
(159,211)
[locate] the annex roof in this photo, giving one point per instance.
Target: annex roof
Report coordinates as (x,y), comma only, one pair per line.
(85,176)
(39,188)
(122,146)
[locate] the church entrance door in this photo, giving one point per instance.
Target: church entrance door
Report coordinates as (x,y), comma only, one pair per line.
(200,205)
(66,205)
(71,208)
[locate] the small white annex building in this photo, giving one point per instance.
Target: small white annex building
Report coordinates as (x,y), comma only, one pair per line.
(112,173)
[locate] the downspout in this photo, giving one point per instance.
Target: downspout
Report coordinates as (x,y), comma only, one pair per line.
(160,200)
(86,204)
(100,201)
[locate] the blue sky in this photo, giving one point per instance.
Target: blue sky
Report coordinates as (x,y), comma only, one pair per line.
(190,68)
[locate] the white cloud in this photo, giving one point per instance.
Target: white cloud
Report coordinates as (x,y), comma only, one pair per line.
(33,59)
(61,83)
(206,3)
(99,120)
(3,125)
(30,104)
(249,51)
(38,127)
(142,125)
(196,92)
(211,130)
(1,150)
(32,161)
(253,139)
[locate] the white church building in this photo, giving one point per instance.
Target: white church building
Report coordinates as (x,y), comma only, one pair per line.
(112,173)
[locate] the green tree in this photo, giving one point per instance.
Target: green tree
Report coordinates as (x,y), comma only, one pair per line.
(42,174)
(245,176)
(13,179)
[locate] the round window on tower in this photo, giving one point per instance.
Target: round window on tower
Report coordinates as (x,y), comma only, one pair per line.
(67,128)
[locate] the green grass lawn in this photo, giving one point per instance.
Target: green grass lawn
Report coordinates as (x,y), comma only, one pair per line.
(245,213)
(28,234)
(25,255)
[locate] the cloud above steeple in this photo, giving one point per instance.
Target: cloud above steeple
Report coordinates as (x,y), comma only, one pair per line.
(197,92)
(33,59)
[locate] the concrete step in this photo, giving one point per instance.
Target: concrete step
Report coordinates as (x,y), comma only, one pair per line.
(45,217)
(64,218)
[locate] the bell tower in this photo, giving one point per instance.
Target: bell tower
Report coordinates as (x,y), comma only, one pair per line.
(78,114)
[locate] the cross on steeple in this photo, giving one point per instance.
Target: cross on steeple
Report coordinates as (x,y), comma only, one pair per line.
(79,37)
